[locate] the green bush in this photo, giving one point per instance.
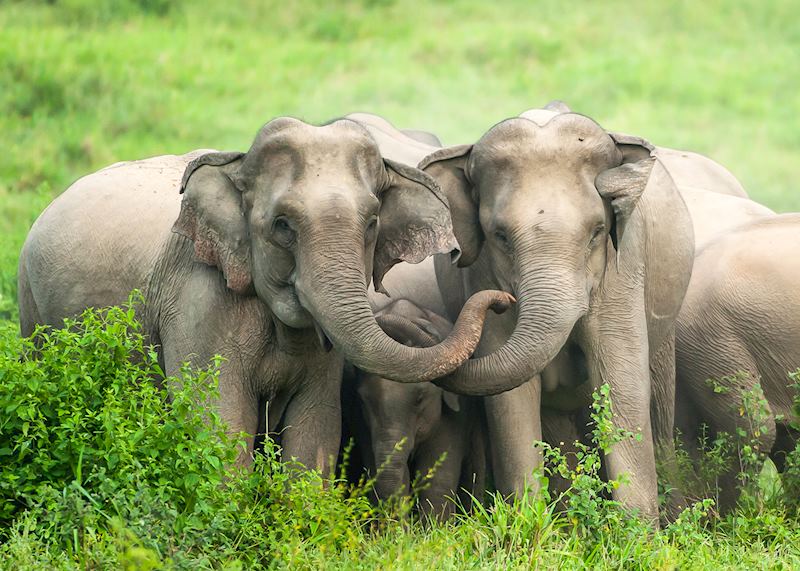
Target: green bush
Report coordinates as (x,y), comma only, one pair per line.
(101,467)
(80,408)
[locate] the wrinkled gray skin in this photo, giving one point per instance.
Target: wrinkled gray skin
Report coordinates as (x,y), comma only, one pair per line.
(267,256)
(431,422)
(590,233)
(742,314)
(714,213)
(564,412)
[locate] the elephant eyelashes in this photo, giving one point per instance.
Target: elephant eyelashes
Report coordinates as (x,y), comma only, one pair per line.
(282,233)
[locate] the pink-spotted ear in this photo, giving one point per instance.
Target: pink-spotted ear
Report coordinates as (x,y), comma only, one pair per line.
(414,220)
(212,216)
(623,185)
(448,167)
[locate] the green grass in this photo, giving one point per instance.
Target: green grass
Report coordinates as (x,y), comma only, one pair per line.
(85,84)
(100,470)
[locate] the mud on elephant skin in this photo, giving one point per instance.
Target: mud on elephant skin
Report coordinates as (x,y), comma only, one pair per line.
(591,235)
(265,260)
(430,422)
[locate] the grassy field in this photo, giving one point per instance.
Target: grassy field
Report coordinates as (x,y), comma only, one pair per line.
(87,83)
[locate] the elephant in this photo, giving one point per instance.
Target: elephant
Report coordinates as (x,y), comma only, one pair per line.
(714,213)
(713,197)
(265,260)
(590,233)
(430,422)
(564,412)
(408,147)
(422,136)
(741,314)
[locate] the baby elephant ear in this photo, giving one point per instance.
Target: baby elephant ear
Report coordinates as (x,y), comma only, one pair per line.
(624,185)
(452,400)
(414,220)
(212,216)
(448,167)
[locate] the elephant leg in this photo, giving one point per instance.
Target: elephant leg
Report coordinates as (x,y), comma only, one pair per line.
(721,402)
(514,425)
(760,433)
(237,404)
(472,483)
(560,430)
(313,422)
(662,414)
(436,499)
(616,348)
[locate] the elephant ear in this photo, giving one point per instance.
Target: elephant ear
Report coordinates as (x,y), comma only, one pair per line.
(212,216)
(448,167)
(452,400)
(414,220)
(623,186)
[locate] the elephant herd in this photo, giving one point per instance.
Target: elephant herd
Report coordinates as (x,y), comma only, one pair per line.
(339,269)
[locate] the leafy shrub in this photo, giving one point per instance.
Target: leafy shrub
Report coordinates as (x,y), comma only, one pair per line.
(102,465)
(81,408)
(791,474)
(587,501)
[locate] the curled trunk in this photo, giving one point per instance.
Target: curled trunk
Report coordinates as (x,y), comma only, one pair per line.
(549,306)
(331,285)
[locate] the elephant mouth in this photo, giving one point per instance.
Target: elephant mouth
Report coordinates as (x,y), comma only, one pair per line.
(288,308)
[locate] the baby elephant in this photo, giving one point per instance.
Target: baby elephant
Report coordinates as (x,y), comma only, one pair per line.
(740,326)
(402,431)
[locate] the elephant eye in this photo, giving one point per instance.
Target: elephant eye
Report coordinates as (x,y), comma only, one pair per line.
(502,239)
(369,232)
(282,233)
(597,233)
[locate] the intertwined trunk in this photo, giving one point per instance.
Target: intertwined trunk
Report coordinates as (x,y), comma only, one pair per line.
(550,302)
(331,285)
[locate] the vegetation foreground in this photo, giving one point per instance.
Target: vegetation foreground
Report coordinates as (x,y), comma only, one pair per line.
(99,470)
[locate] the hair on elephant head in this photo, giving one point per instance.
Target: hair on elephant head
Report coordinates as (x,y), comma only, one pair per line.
(305,218)
(547,205)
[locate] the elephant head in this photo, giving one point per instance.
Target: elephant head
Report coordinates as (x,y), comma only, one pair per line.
(305,218)
(546,206)
(395,412)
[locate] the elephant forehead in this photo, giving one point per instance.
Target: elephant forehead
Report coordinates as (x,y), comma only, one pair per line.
(330,149)
(569,140)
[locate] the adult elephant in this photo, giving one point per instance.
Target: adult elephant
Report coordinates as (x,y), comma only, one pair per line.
(711,195)
(590,233)
(741,314)
(265,259)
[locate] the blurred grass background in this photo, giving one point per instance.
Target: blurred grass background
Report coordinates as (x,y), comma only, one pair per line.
(87,83)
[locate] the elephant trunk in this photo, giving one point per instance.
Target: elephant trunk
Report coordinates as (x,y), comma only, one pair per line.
(391,464)
(331,286)
(550,303)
